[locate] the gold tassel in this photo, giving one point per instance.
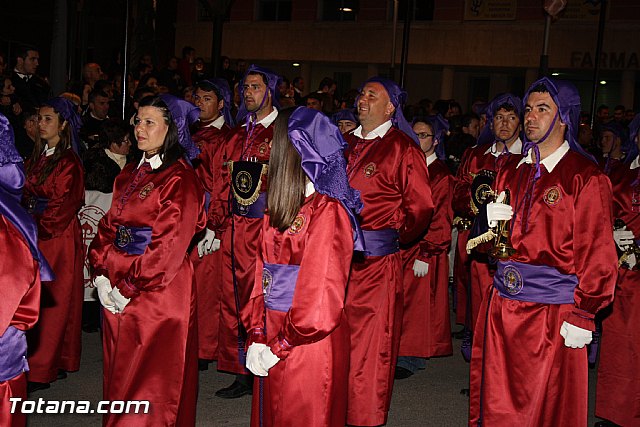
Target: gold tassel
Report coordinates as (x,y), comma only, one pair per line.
(483,238)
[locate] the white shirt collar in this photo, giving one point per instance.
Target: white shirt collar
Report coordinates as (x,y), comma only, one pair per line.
(120,159)
(516,148)
(155,161)
(268,119)
(551,160)
(309,189)
(22,75)
(49,151)
(431,158)
(635,164)
(217,123)
(380,131)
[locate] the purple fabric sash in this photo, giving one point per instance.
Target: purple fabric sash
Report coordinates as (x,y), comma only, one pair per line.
(278,285)
(36,205)
(13,354)
(534,283)
(380,242)
(254,210)
(132,240)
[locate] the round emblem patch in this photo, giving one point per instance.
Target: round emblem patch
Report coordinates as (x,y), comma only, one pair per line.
(262,149)
(267,280)
(244,181)
(483,192)
(123,236)
(552,196)
(513,282)
(297,225)
(369,170)
(145,191)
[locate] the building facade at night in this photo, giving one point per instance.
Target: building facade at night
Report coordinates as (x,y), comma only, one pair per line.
(463,49)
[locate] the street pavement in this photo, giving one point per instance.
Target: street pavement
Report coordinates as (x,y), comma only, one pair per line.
(431,397)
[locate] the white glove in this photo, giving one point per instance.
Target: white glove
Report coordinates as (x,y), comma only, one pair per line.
(498,211)
(216,245)
(420,268)
(267,359)
(623,237)
(631,261)
(103,287)
(205,245)
(574,336)
(119,300)
(253,359)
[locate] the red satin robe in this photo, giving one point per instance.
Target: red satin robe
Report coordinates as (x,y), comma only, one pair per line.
(618,391)
(150,351)
(426,324)
(20,279)
(208,269)
(481,275)
(246,233)
(391,175)
(55,342)
(309,384)
(521,370)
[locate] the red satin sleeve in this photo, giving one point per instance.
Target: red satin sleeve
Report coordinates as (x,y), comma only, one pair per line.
(65,191)
(179,217)
(253,313)
(594,250)
(20,278)
(102,243)
(438,237)
(417,203)
(318,300)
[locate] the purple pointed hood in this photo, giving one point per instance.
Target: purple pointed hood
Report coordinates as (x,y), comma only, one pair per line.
(321,147)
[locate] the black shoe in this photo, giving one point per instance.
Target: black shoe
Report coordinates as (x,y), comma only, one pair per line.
(235,390)
(62,374)
(464,392)
(33,386)
(203,364)
(402,373)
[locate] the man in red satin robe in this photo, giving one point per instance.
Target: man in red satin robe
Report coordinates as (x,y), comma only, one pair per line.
(386,165)
(213,97)
(529,363)
(20,272)
(500,137)
(250,142)
(426,326)
(618,392)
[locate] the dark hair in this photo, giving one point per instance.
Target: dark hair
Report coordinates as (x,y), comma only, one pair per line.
(142,92)
(264,78)
(187,50)
(22,51)
(466,119)
(61,147)
(287,179)
(540,88)
(96,93)
(171,150)
(314,95)
(327,81)
(506,107)
(207,86)
(296,80)
(112,130)
(102,85)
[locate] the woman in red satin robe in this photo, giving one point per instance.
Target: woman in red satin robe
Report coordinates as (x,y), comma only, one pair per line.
(53,194)
(298,334)
(145,278)
(426,326)
(618,391)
